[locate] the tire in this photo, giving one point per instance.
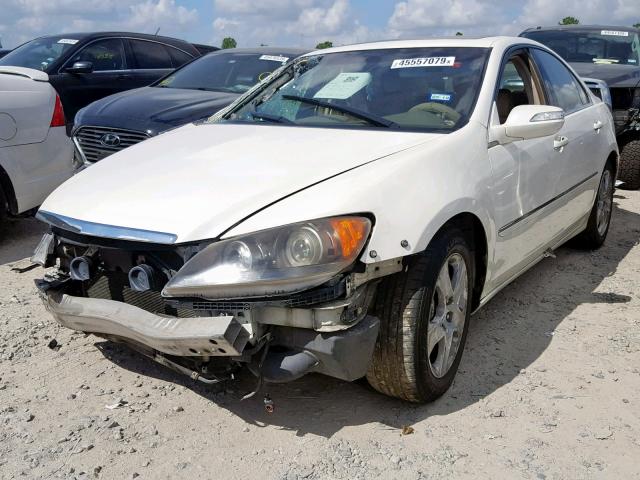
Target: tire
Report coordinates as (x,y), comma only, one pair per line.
(630,165)
(600,218)
(4,206)
(412,311)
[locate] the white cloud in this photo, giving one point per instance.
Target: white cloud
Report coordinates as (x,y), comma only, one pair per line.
(23,20)
(161,13)
(419,18)
(545,12)
(287,22)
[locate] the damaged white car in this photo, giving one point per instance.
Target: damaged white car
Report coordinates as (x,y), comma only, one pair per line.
(345,217)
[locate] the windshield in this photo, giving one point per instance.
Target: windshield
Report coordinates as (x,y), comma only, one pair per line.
(39,53)
(430,89)
(224,72)
(591,46)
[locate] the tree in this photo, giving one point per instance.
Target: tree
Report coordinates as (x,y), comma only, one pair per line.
(636,25)
(326,44)
(569,21)
(229,42)
(459,34)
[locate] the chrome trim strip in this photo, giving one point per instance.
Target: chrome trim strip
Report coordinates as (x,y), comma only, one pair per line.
(545,204)
(105,231)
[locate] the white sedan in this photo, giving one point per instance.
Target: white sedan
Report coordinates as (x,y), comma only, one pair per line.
(344,217)
(36,154)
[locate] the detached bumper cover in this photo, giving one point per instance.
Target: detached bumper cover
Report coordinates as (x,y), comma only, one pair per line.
(215,336)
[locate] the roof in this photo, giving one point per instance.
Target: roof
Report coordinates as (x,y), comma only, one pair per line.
(292,52)
(95,35)
(478,42)
(583,27)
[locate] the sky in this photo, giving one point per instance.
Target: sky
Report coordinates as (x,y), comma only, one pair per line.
(300,23)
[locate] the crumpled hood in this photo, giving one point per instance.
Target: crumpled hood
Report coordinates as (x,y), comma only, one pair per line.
(614,75)
(199,180)
(153,109)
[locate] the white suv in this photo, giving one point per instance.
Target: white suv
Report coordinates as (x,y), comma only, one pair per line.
(36,155)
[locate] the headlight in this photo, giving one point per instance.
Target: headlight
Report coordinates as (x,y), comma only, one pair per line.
(272,262)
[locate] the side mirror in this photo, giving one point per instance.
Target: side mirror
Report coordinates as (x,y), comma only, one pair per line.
(529,121)
(80,67)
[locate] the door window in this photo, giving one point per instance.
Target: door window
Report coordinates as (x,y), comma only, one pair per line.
(150,55)
(105,55)
(565,91)
(517,86)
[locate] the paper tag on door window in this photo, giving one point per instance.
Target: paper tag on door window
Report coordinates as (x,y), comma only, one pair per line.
(424,62)
(68,41)
(274,58)
(614,33)
(344,85)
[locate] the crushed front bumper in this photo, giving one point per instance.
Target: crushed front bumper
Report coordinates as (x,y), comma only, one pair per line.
(343,354)
(199,336)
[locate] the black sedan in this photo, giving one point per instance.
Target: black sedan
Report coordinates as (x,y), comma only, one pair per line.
(84,67)
(195,91)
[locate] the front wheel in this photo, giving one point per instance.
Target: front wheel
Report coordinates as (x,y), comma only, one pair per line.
(424,313)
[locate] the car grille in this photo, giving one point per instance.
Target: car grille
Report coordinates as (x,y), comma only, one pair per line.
(92,144)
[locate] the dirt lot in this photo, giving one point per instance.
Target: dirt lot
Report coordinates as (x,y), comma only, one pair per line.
(549,387)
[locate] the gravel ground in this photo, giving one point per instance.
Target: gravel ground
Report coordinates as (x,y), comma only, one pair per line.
(549,387)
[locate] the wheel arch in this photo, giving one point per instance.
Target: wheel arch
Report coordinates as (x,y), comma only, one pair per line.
(476,233)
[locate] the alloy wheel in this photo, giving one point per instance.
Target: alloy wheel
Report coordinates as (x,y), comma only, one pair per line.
(447,315)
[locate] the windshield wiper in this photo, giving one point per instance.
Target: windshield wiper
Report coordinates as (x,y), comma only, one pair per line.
(354,112)
(271,118)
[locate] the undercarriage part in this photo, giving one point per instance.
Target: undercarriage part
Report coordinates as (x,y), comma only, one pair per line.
(283,367)
(198,371)
(345,354)
(269,406)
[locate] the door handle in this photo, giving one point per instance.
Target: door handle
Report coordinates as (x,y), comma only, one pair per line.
(597,125)
(560,142)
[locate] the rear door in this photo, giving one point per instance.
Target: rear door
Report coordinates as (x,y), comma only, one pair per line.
(152,61)
(109,75)
(578,152)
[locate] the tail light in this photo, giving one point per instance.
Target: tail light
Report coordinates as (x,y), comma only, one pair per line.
(58,120)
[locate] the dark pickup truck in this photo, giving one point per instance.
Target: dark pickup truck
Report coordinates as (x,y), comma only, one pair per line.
(611,54)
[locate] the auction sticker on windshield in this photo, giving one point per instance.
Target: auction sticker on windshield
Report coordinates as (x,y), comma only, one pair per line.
(68,41)
(344,85)
(614,33)
(274,58)
(424,62)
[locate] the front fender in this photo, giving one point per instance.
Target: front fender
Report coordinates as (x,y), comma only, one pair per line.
(411,194)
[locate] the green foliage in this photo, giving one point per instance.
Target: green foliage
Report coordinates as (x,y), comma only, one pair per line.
(569,21)
(326,44)
(459,34)
(229,42)
(636,25)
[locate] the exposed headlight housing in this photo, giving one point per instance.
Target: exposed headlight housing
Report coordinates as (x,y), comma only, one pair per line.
(272,262)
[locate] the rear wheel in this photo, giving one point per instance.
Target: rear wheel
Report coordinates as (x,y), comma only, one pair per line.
(600,218)
(630,165)
(424,313)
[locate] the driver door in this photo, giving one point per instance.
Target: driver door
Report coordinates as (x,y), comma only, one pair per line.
(109,75)
(525,175)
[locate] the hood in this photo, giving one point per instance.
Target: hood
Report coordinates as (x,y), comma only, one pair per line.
(197,181)
(153,109)
(614,75)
